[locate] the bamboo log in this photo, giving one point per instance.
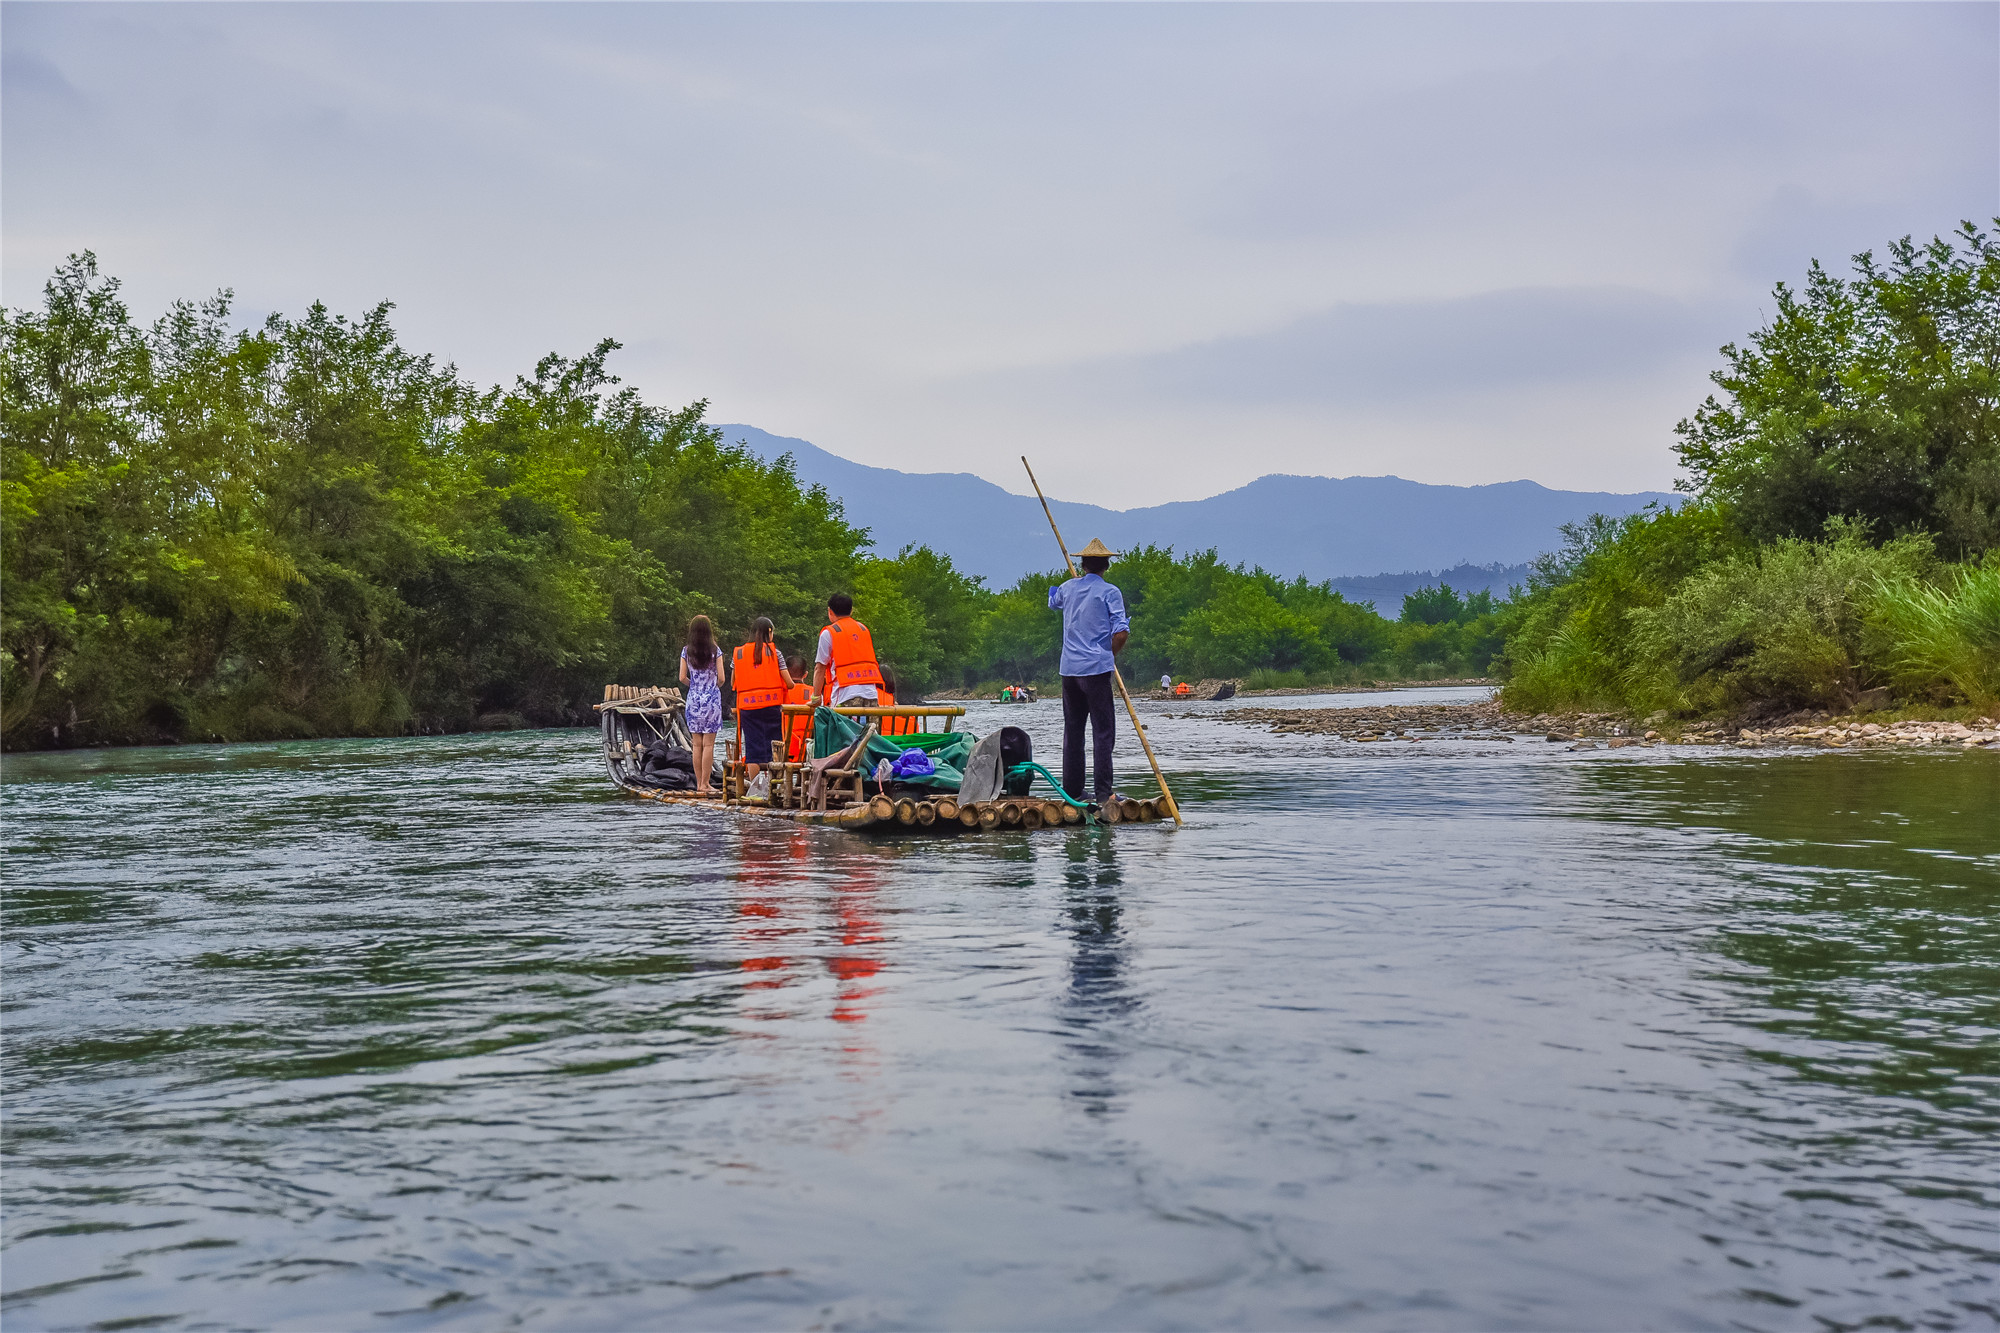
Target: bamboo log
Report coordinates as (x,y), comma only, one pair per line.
(927,814)
(989,814)
(906,811)
(1010,813)
(968,816)
(1071,815)
(882,807)
(947,808)
(859,816)
(1148,812)
(1031,817)
(1052,813)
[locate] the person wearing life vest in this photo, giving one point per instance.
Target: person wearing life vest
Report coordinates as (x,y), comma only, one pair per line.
(761,681)
(885,696)
(845,671)
(798,727)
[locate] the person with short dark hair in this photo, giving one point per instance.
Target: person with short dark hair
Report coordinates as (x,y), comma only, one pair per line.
(1095,628)
(847,670)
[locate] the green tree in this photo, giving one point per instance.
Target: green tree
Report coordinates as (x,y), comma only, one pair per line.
(1875,398)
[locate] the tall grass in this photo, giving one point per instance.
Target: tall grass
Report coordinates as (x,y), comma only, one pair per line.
(1941,641)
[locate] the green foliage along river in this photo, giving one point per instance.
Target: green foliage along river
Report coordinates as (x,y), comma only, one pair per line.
(306,530)
(445,1032)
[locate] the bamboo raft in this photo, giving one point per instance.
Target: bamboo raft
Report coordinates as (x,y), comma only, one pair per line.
(632,717)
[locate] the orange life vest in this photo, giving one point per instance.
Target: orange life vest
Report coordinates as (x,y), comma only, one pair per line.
(1183,688)
(891,726)
(758,684)
(853,654)
(798,729)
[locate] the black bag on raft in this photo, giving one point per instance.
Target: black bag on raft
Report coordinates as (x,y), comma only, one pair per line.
(667,767)
(1015,748)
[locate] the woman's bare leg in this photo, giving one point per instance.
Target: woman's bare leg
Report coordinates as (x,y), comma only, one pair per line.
(704,760)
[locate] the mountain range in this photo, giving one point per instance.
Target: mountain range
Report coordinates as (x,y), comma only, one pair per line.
(1347,529)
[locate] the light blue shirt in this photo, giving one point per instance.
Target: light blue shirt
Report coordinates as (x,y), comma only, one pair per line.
(1093,611)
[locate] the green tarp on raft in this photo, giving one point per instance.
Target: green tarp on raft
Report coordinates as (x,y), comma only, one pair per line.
(833,733)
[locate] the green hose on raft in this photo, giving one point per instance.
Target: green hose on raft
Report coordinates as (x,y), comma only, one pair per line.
(1031,767)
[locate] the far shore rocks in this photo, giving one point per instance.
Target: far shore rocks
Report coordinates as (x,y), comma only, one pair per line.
(1590,731)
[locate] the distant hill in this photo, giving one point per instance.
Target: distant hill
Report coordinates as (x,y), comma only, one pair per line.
(1340,528)
(1385,592)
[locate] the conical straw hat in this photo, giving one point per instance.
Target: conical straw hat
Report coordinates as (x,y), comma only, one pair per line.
(1096,547)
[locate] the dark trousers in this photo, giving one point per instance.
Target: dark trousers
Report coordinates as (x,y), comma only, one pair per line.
(1087,697)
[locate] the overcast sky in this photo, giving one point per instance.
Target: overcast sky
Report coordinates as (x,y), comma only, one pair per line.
(1163,249)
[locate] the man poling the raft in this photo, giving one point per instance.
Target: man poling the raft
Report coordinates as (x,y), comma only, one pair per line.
(1099,628)
(1095,628)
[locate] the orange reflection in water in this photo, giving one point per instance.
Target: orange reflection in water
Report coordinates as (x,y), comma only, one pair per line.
(854,906)
(773,875)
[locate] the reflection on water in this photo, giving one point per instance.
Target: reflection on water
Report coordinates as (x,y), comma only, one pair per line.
(446,1032)
(1097,996)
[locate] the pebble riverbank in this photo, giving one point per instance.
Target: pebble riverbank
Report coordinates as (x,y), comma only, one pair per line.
(1592,731)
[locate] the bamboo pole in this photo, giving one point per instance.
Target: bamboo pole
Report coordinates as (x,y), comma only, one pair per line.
(1117,676)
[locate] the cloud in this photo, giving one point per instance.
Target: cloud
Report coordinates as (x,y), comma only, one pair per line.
(1463,243)
(1379,354)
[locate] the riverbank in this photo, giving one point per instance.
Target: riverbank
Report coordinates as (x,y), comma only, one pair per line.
(1207,689)
(1589,731)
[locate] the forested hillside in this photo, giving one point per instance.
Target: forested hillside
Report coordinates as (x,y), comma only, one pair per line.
(305,529)
(1844,536)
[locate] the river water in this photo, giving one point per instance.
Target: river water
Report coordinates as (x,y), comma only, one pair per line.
(447,1032)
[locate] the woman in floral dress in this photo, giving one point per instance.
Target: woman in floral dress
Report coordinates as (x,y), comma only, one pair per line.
(701,672)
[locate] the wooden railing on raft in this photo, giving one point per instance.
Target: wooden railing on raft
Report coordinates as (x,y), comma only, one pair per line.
(945,711)
(736,768)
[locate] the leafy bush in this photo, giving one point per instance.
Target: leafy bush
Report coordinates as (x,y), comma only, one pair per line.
(1941,641)
(1783,623)
(1570,641)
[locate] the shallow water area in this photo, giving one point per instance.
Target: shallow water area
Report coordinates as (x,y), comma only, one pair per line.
(448,1032)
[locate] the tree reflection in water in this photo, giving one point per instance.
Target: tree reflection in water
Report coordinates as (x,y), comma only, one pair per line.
(1861,921)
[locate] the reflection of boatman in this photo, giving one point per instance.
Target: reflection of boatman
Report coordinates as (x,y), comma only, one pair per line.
(1094,631)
